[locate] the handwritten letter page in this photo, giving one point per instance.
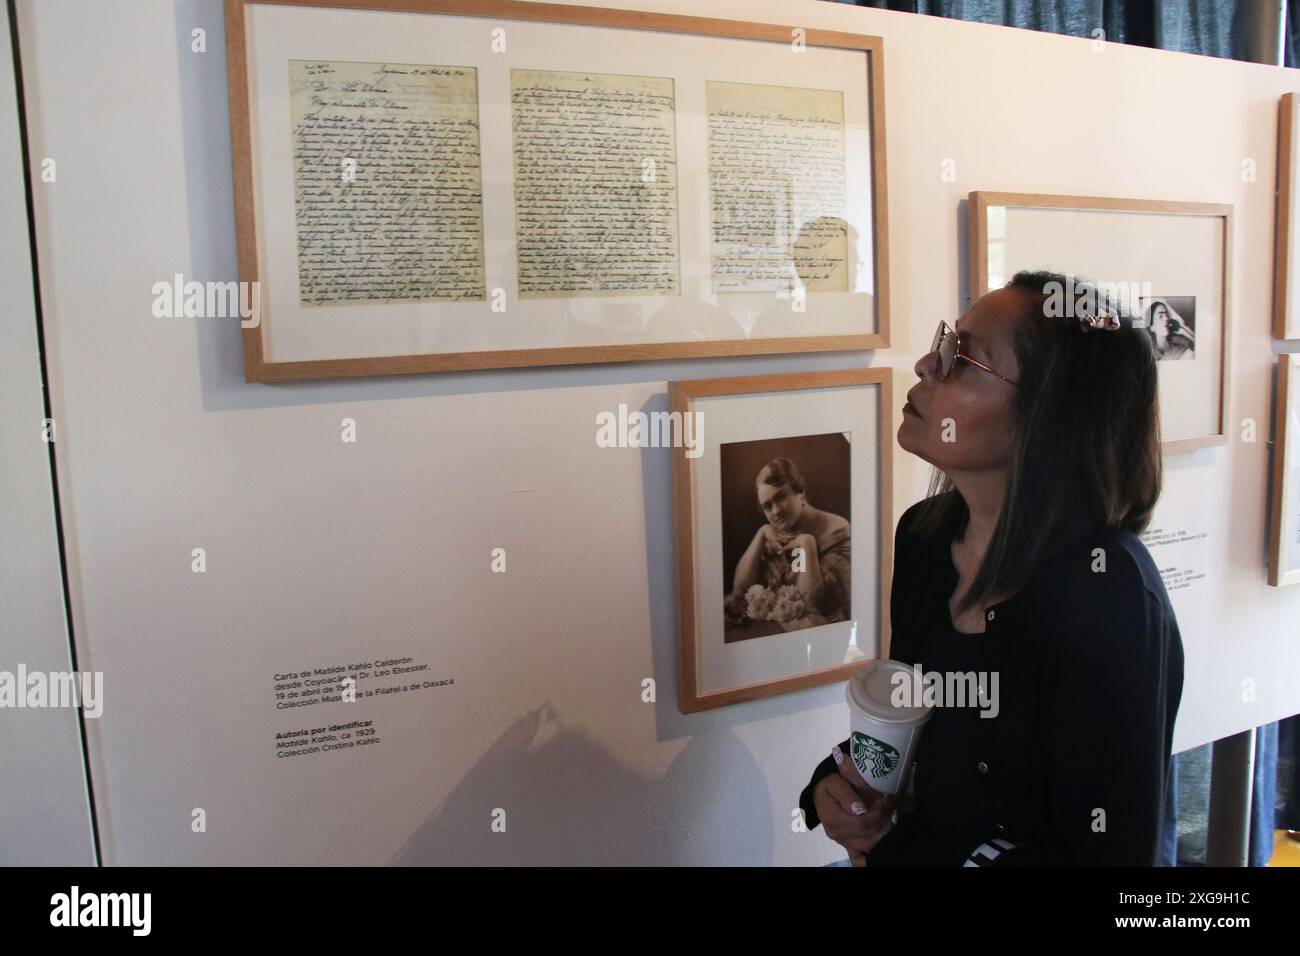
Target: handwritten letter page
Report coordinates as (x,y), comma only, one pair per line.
(595,184)
(387,182)
(776,185)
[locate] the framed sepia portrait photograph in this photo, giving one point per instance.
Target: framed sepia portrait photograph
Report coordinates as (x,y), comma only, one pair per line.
(438,185)
(1284,507)
(1168,264)
(783,532)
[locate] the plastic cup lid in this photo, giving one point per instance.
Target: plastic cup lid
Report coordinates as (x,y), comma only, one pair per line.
(872,690)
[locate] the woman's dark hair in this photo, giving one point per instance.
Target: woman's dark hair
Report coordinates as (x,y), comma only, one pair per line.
(781,471)
(1149,314)
(778,472)
(1087,435)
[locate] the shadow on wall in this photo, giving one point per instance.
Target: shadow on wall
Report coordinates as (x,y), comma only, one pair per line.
(568,801)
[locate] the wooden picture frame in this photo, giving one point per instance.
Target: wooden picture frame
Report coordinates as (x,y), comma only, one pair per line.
(998,257)
(411,335)
(1284,510)
(1286,247)
(761,418)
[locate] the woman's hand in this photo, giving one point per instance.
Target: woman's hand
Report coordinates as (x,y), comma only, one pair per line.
(774,542)
(855,819)
(802,540)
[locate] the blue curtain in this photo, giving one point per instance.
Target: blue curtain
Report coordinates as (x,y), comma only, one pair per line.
(1169,835)
(1208,27)
(1288,774)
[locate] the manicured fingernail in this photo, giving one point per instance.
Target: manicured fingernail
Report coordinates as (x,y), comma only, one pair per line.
(858,808)
(839,757)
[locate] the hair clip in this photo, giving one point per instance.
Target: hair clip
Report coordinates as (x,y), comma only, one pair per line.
(1105,321)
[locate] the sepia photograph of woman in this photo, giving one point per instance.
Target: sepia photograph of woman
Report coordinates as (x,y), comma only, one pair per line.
(787,535)
(1024,559)
(799,547)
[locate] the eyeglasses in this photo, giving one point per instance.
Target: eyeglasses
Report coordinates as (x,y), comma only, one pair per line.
(947,342)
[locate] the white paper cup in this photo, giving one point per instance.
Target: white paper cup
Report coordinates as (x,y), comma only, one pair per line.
(883,736)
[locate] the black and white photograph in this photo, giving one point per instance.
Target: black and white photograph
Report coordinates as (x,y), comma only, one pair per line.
(786,535)
(1170,322)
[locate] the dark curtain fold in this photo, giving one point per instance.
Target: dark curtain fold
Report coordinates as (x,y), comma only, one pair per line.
(1292,33)
(1207,27)
(1211,28)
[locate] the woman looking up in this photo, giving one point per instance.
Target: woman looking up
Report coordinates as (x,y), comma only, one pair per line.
(1023,560)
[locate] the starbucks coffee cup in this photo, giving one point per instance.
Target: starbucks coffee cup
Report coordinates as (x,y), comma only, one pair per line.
(886,719)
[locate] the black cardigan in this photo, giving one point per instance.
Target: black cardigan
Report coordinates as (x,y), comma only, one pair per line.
(1074,767)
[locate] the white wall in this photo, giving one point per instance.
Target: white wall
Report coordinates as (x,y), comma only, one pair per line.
(321,552)
(44,810)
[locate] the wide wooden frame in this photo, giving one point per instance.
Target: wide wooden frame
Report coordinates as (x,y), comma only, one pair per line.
(1286,447)
(981,200)
(257,369)
(1286,306)
(681,395)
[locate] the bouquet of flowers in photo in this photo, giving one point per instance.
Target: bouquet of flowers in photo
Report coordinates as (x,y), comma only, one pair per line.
(783,604)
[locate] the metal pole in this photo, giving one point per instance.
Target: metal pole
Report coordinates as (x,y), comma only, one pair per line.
(1232,777)
(1264,22)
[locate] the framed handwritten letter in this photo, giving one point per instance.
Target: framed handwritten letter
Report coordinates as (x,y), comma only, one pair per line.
(434,185)
(782,488)
(1167,263)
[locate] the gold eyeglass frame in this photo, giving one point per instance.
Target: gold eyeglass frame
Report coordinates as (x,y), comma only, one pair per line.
(940,335)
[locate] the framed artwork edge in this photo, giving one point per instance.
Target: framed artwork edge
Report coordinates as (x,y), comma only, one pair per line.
(977,224)
(258,370)
(1285,445)
(1288,152)
(267,372)
(680,396)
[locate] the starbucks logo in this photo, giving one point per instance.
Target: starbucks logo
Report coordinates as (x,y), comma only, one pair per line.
(873,758)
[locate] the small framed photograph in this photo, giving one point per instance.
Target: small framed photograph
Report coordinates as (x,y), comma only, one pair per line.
(1286,249)
(1284,523)
(784,533)
(1167,263)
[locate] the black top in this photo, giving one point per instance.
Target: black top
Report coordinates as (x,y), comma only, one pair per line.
(1071,765)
